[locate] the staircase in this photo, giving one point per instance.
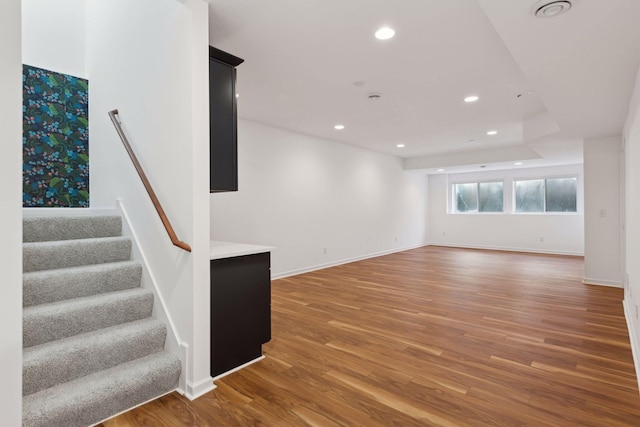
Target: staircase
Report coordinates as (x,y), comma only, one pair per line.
(91,348)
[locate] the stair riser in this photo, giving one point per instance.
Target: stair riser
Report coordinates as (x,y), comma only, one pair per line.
(69,228)
(44,287)
(52,255)
(39,327)
(48,365)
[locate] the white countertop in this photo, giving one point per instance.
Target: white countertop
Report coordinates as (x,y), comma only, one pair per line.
(218,250)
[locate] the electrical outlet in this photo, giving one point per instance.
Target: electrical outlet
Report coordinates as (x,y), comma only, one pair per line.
(542,239)
(444,233)
(396,239)
(324,250)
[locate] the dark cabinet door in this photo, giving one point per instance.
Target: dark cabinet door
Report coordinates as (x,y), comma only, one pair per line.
(223,127)
(240,310)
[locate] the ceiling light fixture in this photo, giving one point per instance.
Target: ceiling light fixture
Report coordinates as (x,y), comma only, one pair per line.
(518,163)
(385,33)
(338,127)
(550,8)
(471,98)
(400,145)
(492,132)
(440,170)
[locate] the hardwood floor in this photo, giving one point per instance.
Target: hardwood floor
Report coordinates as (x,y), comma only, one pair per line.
(429,337)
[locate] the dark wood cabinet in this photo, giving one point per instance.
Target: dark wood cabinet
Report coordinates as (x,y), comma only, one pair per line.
(223,121)
(240,310)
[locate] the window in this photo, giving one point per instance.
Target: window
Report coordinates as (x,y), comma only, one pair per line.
(478,197)
(546,195)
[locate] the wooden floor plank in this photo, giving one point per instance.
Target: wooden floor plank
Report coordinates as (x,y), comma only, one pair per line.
(429,337)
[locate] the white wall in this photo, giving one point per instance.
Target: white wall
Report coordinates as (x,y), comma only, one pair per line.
(561,233)
(53,35)
(302,194)
(632,222)
(149,60)
(11,224)
(602,211)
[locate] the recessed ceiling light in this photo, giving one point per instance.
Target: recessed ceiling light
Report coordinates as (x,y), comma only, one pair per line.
(440,170)
(237,95)
(492,132)
(338,127)
(385,33)
(400,145)
(518,163)
(471,98)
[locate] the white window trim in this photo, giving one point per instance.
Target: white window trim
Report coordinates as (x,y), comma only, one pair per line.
(452,204)
(544,200)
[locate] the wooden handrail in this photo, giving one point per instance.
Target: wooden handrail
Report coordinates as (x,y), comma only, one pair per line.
(147,185)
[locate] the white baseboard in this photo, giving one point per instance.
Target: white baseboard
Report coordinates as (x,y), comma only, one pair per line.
(634,338)
(134,407)
(195,390)
(251,362)
(342,261)
(600,282)
(507,249)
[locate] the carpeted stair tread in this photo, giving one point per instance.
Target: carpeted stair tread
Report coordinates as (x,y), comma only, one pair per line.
(47,286)
(40,229)
(67,359)
(50,322)
(91,399)
(39,256)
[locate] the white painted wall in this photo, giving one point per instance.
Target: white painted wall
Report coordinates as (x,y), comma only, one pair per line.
(562,233)
(632,222)
(602,211)
(302,194)
(11,224)
(149,60)
(53,35)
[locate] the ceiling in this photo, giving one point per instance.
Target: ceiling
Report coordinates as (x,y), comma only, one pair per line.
(543,84)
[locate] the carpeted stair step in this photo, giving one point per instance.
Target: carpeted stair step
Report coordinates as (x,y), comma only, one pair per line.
(67,359)
(41,229)
(39,256)
(91,399)
(47,286)
(57,320)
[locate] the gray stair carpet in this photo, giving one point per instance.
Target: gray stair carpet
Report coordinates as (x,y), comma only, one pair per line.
(42,287)
(43,229)
(91,347)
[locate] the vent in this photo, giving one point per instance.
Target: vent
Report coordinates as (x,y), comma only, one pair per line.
(550,8)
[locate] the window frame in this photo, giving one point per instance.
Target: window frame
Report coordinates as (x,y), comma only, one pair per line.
(453,205)
(544,195)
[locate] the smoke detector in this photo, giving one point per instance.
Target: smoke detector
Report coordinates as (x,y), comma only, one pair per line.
(550,8)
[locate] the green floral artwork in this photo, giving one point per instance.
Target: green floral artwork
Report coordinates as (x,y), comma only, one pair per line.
(55,139)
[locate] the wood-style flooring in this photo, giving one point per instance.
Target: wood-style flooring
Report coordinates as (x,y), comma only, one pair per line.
(429,337)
